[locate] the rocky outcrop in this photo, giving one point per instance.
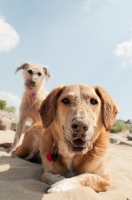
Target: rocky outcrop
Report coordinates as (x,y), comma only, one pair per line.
(8,121)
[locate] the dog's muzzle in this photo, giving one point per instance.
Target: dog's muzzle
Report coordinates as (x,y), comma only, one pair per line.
(30,83)
(79,126)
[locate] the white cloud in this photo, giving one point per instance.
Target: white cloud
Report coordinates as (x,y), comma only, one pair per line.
(10,99)
(8,36)
(124,50)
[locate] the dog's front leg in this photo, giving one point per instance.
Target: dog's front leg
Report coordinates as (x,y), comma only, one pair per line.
(94,181)
(19,130)
(50,178)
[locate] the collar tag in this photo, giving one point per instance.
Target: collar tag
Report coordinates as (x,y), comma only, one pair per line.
(49,156)
(33,94)
(52,157)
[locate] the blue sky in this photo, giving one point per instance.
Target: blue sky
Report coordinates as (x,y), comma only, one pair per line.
(81,41)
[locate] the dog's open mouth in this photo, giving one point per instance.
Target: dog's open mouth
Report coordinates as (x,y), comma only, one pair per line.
(78,144)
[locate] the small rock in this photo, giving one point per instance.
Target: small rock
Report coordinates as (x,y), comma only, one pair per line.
(129,136)
(114,140)
(130,130)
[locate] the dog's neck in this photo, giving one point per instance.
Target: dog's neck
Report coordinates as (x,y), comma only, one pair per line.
(32,95)
(32,92)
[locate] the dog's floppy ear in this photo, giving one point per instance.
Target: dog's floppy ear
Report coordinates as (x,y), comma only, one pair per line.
(109,108)
(23,66)
(47,73)
(48,106)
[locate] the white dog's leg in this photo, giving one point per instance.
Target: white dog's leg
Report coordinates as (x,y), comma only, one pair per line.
(19,130)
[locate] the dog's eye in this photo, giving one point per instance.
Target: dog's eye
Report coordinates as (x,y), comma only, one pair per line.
(30,71)
(93,101)
(65,101)
(39,74)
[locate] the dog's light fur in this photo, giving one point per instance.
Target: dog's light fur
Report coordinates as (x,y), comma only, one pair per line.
(34,76)
(76,118)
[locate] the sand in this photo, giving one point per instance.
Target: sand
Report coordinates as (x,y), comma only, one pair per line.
(20,179)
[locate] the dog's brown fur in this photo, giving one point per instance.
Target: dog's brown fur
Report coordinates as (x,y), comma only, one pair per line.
(76,119)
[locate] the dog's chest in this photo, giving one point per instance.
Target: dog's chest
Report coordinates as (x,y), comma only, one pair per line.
(34,101)
(69,165)
(31,107)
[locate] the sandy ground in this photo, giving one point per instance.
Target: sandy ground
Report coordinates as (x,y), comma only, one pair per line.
(20,179)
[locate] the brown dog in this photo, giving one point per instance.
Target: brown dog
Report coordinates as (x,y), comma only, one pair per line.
(74,143)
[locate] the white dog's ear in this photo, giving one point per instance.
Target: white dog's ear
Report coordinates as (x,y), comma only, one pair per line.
(48,107)
(23,66)
(47,73)
(109,108)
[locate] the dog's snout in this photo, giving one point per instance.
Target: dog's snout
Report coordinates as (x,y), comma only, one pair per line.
(79,125)
(33,82)
(75,135)
(76,126)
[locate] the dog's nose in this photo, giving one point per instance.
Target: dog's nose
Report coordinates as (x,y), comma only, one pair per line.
(79,125)
(33,82)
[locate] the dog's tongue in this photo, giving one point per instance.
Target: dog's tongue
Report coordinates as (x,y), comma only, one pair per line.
(78,143)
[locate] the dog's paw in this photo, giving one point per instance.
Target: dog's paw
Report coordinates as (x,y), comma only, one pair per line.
(63,185)
(49,178)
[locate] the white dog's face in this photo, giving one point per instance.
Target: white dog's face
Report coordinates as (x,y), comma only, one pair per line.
(78,115)
(33,75)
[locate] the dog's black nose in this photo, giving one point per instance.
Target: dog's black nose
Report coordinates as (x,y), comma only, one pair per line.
(79,125)
(33,82)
